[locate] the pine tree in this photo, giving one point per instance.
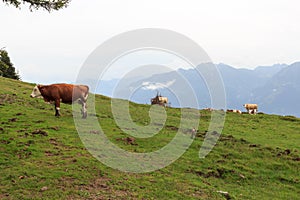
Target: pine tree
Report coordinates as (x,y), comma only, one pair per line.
(6,67)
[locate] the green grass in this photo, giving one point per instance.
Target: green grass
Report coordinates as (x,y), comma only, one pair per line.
(256,157)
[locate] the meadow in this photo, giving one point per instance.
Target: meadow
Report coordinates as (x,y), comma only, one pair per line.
(43,157)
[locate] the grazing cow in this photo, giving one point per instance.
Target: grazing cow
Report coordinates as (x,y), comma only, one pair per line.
(209,109)
(237,111)
(160,100)
(65,93)
(251,108)
(234,111)
(163,99)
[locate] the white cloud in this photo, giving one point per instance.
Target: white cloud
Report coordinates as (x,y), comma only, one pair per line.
(155,86)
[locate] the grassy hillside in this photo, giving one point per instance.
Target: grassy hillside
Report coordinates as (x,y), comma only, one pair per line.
(42,157)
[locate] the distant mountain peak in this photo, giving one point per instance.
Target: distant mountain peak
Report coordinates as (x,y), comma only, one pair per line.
(275,88)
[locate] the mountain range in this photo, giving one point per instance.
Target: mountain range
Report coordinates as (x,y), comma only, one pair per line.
(276,88)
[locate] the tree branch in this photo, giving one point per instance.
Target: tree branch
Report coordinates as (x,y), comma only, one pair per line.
(48,5)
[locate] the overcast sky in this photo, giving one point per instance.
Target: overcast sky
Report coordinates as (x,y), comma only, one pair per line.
(51,47)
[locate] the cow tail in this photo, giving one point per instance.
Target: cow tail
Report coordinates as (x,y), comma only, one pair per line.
(87,93)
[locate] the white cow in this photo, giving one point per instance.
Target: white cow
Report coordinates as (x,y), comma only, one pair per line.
(251,108)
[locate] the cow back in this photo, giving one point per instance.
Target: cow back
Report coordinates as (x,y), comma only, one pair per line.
(66,93)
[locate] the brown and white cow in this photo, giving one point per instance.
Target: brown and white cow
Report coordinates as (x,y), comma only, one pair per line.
(251,108)
(65,93)
(160,100)
(234,111)
(237,111)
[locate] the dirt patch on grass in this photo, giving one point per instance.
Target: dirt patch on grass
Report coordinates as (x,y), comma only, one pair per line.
(4,141)
(53,141)
(296,159)
(13,120)
(173,128)
(226,138)
(103,188)
(51,153)
(39,132)
(128,140)
(7,98)
(216,173)
(95,132)
(24,153)
(4,196)
(39,121)
(253,145)
(99,188)
(56,128)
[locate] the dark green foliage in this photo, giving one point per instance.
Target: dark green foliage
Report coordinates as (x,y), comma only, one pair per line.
(36,4)
(6,67)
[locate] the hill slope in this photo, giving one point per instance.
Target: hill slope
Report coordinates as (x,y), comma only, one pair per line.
(41,156)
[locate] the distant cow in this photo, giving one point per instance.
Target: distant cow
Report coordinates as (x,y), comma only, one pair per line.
(235,111)
(65,93)
(163,99)
(160,100)
(251,108)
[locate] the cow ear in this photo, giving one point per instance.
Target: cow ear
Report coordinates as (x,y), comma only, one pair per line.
(40,87)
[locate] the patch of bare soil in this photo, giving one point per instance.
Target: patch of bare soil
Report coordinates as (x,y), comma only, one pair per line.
(51,153)
(7,98)
(217,173)
(128,140)
(102,188)
(296,159)
(56,128)
(13,120)
(39,132)
(173,128)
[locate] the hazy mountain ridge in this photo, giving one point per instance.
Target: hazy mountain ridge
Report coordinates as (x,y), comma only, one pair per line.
(276,88)
(281,94)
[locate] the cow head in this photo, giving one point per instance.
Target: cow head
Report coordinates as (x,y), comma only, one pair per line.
(36,92)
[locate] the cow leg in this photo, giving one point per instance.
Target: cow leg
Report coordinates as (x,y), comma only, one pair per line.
(83,103)
(84,110)
(80,102)
(57,107)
